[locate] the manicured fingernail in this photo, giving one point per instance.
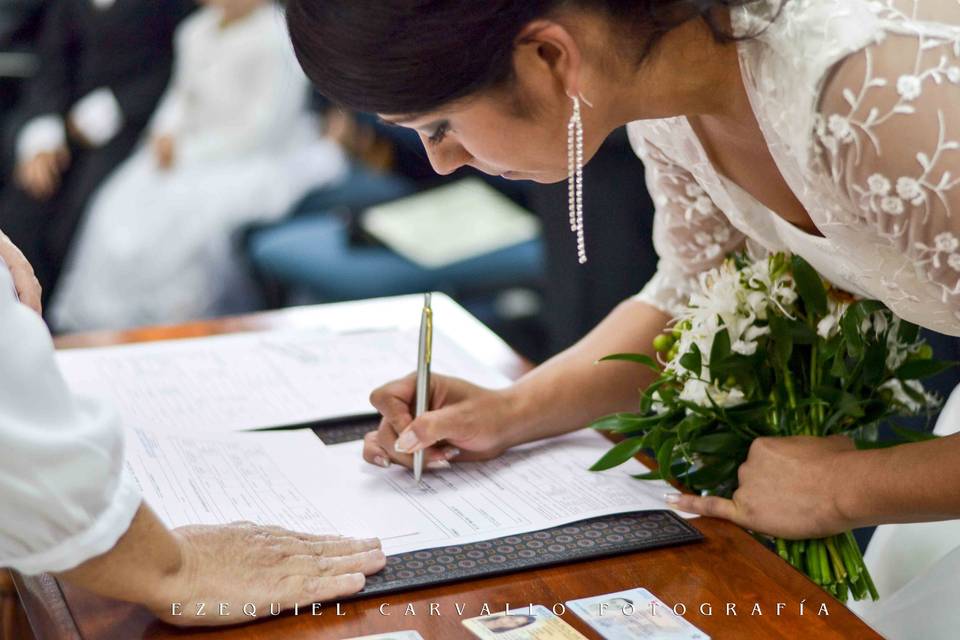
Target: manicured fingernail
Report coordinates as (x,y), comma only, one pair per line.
(406,441)
(438,465)
(380,461)
(450,453)
(671,498)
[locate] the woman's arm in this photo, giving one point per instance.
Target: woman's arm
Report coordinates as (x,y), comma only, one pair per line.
(572,388)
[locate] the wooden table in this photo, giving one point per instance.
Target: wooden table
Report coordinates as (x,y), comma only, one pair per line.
(730,575)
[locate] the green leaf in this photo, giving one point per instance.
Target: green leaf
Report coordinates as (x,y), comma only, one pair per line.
(639,358)
(908,332)
(850,328)
(782,339)
(724,443)
(620,453)
(689,425)
(692,360)
(665,457)
(719,352)
(920,369)
(810,287)
(911,435)
(711,476)
(619,422)
(874,363)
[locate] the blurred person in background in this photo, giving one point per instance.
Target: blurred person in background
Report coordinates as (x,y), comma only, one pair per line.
(232,143)
(103,66)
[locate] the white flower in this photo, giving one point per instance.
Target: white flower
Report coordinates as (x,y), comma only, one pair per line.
(840,127)
(910,189)
(722,234)
(892,205)
(900,396)
(946,242)
(693,190)
(699,392)
(879,185)
(879,322)
(954,261)
(953,75)
(703,205)
(909,87)
(828,326)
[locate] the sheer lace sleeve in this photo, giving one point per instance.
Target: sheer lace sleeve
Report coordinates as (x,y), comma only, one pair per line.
(889,130)
(690,233)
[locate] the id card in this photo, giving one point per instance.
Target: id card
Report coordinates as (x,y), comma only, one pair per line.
(536,623)
(633,615)
(393,635)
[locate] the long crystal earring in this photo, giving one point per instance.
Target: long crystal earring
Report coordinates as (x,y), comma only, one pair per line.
(575,177)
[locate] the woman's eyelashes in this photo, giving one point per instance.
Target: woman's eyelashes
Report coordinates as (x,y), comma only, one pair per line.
(439,134)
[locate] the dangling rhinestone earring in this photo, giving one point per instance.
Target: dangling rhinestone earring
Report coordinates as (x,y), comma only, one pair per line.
(575,176)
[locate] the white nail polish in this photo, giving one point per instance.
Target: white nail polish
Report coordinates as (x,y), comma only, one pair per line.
(451,452)
(381,462)
(438,465)
(406,442)
(671,498)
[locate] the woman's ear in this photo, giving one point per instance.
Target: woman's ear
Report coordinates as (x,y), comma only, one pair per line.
(547,51)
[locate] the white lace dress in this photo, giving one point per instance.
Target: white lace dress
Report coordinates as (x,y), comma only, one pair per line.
(859,103)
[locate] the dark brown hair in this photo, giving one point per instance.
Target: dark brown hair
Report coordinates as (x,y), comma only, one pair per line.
(414,56)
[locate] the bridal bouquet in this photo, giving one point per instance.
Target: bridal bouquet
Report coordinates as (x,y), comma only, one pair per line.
(766,348)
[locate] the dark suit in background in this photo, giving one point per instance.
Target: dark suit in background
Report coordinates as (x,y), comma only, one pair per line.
(618,227)
(126,47)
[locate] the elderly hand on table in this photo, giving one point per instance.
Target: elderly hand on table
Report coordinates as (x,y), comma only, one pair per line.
(206,575)
(26,283)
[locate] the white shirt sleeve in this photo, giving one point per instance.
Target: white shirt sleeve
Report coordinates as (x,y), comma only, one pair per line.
(98,116)
(65,495)
(43,133)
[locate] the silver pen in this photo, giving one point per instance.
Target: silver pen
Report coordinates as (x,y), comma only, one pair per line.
(424,355)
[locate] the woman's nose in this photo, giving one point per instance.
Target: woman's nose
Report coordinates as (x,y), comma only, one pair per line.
(446,157)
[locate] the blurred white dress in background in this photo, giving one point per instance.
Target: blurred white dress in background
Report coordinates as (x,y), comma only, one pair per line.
(157,245)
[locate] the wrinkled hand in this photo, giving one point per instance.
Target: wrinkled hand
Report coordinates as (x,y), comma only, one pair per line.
(164,151)
(465,423)
(788,487)
(40,175)
(26,283)
(246,563)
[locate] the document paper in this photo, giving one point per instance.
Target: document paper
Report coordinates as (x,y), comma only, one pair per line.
(256,380)
(291,479)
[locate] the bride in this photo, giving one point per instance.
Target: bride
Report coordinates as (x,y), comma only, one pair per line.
(828,128)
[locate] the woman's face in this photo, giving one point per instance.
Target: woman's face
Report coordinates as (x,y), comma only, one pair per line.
(487,134)
(519,131)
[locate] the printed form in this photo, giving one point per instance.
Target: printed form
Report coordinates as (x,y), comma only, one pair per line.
(291,479)
(256,380)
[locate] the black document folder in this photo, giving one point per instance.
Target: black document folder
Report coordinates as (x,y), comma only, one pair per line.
(584,540)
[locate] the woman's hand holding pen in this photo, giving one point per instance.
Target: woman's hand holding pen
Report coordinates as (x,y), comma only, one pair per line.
(465,422)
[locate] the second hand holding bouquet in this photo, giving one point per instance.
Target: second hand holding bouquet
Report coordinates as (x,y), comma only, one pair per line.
(766,348)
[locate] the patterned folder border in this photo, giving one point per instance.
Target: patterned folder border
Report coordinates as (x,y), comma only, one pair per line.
(584,540)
